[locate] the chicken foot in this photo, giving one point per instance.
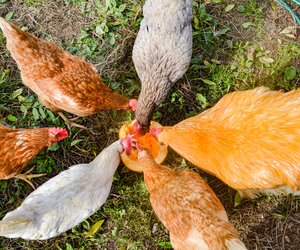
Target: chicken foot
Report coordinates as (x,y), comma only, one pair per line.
(27,177)
(70,123)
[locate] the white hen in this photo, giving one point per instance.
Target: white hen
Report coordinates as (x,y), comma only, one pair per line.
(65,200)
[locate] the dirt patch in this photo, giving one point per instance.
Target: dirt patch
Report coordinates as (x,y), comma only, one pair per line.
(56,20)
(266,223)
(274,23)
(272,223)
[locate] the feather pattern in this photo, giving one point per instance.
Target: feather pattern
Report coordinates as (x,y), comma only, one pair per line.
(19,147)
(188,207)
(249,140)
(162,51)
(61,80)
(65,200)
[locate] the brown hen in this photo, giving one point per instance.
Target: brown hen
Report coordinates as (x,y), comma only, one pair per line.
(188,208)
(20,146)
(249,139)
(61,81)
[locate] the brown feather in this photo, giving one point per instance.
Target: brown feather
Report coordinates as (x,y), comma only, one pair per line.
(187,206)
(61,81)
(19,147)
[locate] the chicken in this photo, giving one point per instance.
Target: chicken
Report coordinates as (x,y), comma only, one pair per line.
(188,208)
(162,52)
(65,200)
(20,146)
(61,80)
(249,139)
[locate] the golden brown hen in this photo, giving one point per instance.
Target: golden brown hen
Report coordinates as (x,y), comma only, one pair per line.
(249,139)
(61,81)
(20,146)
(188,207)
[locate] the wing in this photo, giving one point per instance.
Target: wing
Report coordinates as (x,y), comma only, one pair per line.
(65,200)
(18,148)
(56,206)
(191,212)
(76,87)
(164,43)
(249,139)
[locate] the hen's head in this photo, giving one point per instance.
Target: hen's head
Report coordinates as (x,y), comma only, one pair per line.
(133,104)
(144,117)
(127,144)
(56,134)
(155,131)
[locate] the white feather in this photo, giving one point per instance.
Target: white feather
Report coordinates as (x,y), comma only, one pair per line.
(4,25)
(65,200)
(235,244)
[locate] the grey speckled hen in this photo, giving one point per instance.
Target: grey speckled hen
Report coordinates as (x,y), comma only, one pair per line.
(162,51)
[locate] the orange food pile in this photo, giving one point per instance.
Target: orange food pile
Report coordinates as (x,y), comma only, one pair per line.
(147,141)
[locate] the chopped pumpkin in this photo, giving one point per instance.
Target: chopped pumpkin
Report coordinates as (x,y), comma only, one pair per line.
(147,141)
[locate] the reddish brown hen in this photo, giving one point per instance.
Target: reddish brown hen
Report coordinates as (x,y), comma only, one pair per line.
(188,207)
(61,81)
(20,146)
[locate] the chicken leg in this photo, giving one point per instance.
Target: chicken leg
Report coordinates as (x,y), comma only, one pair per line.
(70,123)
(27,177)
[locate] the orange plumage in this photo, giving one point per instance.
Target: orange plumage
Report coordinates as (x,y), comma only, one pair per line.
(188,207)
(249,139)
(61,81)
(20,146)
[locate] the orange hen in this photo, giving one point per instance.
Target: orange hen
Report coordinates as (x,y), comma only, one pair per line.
(188,207)
(61,81)
(249,139)
(20,146)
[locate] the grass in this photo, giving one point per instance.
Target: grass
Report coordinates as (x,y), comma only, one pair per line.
(234,48)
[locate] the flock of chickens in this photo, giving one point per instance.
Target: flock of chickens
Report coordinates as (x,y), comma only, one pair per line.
(250,139)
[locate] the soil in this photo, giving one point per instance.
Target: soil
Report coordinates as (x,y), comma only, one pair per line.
(266,223)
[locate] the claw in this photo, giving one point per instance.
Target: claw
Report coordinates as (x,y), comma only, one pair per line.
(27,177)
(70,123)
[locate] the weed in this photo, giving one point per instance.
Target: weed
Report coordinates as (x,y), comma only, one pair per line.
(29,3)
(229,53)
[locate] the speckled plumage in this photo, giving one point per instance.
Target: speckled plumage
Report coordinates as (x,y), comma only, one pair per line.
(162,51)
(188,207)
(19,147)
(61,81)
(65,200)
(249,139)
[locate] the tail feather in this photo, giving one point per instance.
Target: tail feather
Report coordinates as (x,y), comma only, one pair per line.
(235,244)
(5,26)
(16,226)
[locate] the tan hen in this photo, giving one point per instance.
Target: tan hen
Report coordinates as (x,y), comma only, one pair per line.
(188,207)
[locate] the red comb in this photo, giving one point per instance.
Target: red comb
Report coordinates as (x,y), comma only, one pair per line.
(133,104)
(155,131)
(58,133)
(127,144)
